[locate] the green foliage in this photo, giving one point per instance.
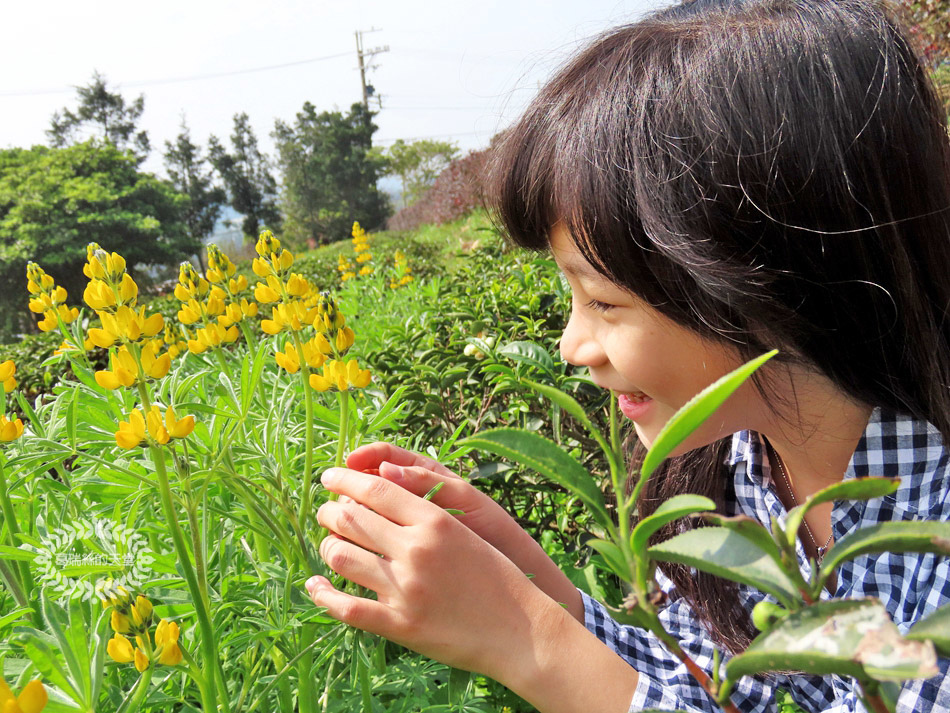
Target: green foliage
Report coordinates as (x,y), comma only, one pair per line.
(54,202)
(417,164)
(251,187)
(186,170)
(329,174)
(106,113)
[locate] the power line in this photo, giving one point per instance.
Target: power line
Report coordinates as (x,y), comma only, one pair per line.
(177,80)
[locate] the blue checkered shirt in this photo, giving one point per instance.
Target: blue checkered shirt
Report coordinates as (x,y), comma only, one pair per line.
(911,586)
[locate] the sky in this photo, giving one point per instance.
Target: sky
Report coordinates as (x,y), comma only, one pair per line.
(455,70)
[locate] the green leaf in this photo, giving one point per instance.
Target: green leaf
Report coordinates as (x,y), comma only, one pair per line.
(855,489)
(392,407)
(935,628)
(676,507)
(695,411)
(727,554)
(749,528)
(900,536)
(569,404)
(529,353)
(547,458)
(612,556)
(849,637)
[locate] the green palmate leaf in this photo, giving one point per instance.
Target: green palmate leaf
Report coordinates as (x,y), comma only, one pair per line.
(697,410)
(901,536)
(935,628)
(612,556)
(849,637)
(855,489)
(727,554)
(676,507)
(548,459)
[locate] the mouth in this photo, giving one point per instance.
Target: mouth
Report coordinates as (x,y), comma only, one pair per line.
(634,404)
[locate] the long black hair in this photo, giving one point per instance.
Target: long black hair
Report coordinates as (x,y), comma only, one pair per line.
(766,173)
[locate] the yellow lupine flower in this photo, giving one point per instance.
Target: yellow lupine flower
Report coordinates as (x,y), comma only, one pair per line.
(156,426)
(365,270)
(141,660)
(288,358)
(10,430)
(166,639)
(32,698)
(131,433)
(7,370)
(141,612)
(178,427)
(120,649)
(121,624)
(265,294)
(341,376)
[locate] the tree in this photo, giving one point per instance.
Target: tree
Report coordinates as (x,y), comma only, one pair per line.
(251,187)
(329,173)
(106,114)
(929,22)
(186,169)
(417,164)
(54,202)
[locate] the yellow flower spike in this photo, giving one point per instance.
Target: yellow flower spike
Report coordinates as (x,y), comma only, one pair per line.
(215,306)
(10,430)
(196,346)
(152,325)
(249,308)
(121,624)
(9,385)
(321,342)
(141,660)
(319,382)
(120,649)
(231,335)
(131,433)
(115,265)
(285,260)
(237,284)
(313,355)
(32,698)
(7,369)
(156,427)
(178,427)
(365,270)
(159,366)
(38,304)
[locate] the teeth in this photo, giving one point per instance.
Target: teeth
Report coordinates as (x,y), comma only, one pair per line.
(638,397)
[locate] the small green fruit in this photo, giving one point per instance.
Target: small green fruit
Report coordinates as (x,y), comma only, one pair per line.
(765,614)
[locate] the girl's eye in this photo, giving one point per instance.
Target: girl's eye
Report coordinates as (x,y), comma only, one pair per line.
(599,306)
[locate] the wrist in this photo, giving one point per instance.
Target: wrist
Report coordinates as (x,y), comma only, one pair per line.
(560,667)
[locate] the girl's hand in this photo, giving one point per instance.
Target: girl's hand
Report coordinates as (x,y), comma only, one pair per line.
(441,590)
(486,518)
(446,593)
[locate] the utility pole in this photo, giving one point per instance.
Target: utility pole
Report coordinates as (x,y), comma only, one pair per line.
(364,56)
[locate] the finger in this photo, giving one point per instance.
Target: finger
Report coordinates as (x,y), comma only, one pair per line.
(420,481)
(358,524)
(355,611)
(387,499)
(370,456)
(356,564)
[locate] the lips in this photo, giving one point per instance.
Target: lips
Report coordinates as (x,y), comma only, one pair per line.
(634,405)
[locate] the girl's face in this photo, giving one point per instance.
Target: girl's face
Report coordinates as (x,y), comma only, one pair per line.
(654,364)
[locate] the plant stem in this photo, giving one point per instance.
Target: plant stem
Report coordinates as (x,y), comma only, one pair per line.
(305,496)
(6,505)
(198,595)
(134,702)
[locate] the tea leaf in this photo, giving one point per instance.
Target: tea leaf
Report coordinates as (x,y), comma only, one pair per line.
(547,458)
(901,536)
(676,507)
(856,489)
(935,628)
(612,556)
(854,637)
(529,353)
(688,418)
(729,555)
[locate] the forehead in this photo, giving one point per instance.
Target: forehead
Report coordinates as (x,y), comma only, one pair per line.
(569,257)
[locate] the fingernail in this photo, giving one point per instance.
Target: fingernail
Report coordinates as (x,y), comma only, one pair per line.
(330,476)
(315,583)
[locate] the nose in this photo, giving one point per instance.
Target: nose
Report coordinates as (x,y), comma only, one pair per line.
(579,343)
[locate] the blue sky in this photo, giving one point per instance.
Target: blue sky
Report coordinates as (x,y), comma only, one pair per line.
(454,70)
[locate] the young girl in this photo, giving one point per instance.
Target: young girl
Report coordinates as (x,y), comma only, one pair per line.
(721,178)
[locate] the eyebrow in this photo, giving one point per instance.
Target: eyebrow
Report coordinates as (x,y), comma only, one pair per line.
(581,269)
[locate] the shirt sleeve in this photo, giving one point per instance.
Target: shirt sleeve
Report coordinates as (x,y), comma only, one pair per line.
(664,682)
